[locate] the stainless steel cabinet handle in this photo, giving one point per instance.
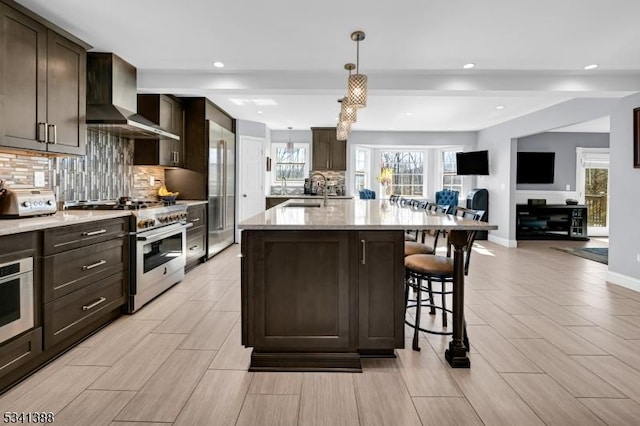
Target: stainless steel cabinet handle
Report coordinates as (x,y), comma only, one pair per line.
(194,248)
(327,164)
(92,233)
(94,265)
(42,132)
(197,219)
(52,139)
(177,157)
(364,252)
(94,304)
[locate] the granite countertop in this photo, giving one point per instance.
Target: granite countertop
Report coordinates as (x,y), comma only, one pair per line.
(68,217)
(355,214)
(191,202)
(315,197)
(61,218)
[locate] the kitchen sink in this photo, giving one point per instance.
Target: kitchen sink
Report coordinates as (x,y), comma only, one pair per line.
(303,205)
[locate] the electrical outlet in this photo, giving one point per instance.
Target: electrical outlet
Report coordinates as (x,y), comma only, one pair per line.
(152,180)
(568,187)
(38,179)
(638,257)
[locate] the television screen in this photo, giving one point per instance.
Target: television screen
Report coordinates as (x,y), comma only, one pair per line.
(535,167)
(472,163)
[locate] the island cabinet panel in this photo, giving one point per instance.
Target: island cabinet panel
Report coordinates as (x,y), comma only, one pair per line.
(301,294)
(380,291)
(317,300)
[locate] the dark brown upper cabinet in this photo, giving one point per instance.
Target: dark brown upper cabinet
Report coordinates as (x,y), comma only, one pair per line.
(328,152)
(42,87)
(167,112)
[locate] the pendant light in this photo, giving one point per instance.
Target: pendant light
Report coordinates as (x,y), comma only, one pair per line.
(348,111)
(357,90)
(290,147)
(343,129)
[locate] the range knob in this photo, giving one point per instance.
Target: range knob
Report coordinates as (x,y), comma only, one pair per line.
(142,224)
(183,215)
(26,204)
(49,202)
(151,222)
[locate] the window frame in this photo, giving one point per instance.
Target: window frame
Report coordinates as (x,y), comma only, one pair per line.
(365,172)
(442,173)
(423,154)
(274,151)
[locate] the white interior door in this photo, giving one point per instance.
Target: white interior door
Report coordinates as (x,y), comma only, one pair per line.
(592,186)
(251,165)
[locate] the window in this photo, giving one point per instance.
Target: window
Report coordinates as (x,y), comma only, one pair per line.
(362,165)
(408,171)
(449,178)
(292,165)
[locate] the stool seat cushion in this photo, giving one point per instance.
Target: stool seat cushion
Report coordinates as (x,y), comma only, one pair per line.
(429,264)
(408,237)
(411,247)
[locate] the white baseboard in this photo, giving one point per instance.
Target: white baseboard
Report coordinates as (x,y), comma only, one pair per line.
(623,281)
(503,241)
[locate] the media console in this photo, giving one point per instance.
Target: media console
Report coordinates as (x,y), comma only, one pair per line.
(551,222)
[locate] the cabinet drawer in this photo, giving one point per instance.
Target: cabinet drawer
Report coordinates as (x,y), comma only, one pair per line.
(71,270)
(196,241)
(64,238)
(197,215)
(65,316)
(19,351)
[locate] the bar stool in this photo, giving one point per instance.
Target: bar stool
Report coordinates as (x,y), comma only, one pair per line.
(429,268)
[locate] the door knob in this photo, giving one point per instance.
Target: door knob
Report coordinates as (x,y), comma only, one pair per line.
(244,195)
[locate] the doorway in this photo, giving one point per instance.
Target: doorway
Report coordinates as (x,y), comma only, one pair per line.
(251,167)
(592,186)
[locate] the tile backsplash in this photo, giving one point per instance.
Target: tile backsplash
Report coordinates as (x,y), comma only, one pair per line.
(106,172)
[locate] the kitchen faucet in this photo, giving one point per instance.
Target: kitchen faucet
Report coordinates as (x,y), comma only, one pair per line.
(324,191)
(283,185)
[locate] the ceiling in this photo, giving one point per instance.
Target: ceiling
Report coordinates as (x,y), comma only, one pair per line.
(284,59)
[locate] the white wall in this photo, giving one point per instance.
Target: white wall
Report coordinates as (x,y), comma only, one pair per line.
(501,141)
(624,231)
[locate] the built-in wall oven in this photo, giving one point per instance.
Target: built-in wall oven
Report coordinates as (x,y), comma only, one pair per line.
(17,313)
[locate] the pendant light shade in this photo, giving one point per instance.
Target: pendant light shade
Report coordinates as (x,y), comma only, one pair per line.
(290,147)
(347,111)
(343,129)
(357,88)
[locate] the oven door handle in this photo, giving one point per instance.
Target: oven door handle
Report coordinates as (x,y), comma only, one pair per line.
(173,230)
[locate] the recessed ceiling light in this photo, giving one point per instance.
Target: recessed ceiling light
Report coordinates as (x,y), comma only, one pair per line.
(449,128)
(469,66)
(409,113)
(259,112)
(218,64)
(264,102)
(500,107)
(591,67)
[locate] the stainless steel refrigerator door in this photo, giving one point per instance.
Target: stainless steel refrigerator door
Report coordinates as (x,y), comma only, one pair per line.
(221,188)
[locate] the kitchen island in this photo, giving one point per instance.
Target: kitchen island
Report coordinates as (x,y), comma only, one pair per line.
(324,286)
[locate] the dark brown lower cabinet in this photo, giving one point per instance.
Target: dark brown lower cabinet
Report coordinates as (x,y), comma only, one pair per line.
(66,315)
(21,350)
(318,300)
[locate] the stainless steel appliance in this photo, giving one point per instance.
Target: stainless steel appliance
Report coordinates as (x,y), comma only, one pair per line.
(27,202)
(16,298)
(158,245)
(221,191)
(112,99)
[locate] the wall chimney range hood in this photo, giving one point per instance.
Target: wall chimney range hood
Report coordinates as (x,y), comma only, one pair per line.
(112,99)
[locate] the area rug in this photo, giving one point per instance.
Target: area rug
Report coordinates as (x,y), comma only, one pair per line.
(599,254)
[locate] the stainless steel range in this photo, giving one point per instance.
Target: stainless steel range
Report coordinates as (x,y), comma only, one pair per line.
(157,245)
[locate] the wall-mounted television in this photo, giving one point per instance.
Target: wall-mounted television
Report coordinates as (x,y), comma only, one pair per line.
(535,167)
(472,163)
